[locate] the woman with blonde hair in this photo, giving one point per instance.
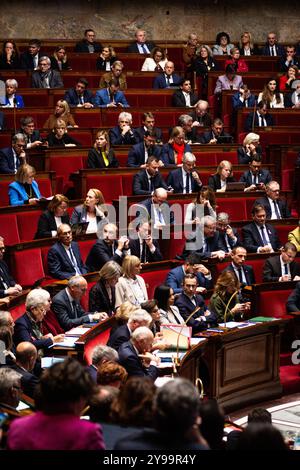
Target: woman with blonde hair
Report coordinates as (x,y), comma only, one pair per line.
(56,214)
(61,111)
(124,312)
(106,58)
(93,210)
(223,175)
(102,296)
(131,286)
(24,190)
(246,45)
(59,60)
(101,155)
(270,95)
(59,136)
(251,147)
(225,298)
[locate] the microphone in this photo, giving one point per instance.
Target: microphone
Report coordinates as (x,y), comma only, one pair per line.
(15,118)
(177,360)
(227,308)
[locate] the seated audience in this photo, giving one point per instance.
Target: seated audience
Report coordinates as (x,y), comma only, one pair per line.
(149,178)
(185,179)
(56,214)
(116,72)
(139,154)
(259,118)
(243,272)
(204,204)
(124,311)
(8,286)
(106,58)
(223,175)
(24,190)
(276,208)
(9,58)
(123,333)
(143,245)
(64,259)
(200,115)
(59,136)
(107,248)
(141,45)
(30,59)
(59,60)
(225,300)
(251,148)
(294,236)
(184,96)
(247,48)
(229,81)
(8,357)
(61,111)
(168,78)
(235,60)
(79,96)
(202,64)
(228,236)
(223,45)
(111,374)
(168,312)
(216,135)
(204,240)
(131,286)
(148,124)
(26,356)
(12,100)
(256,177)
(28,327)
(292,100)
(189,51)
(11,158)
(33,138)
(88,44)
(192,265)
(64,391)
(259,237)
(271,95)
(101,155)
(191,132)
(293,302)
(243,98)
(272,48)
(286,80)
(67,308)
(123,134)
(156,62)
(282,268)
(93,210)
(101,354)
(173,151)
(45,77)
(111,97)
(158,209)
(102,296)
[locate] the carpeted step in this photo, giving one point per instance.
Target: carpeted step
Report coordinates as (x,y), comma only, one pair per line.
(290,379)
(285,359)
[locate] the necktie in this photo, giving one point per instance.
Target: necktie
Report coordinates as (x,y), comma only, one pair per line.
(75,309)
(254,179)
(278,216)
(286,269)
(151,185)
(187,183)
(144,49)
(74,262)
(168,81)
(272,50)
(261,121)
(81,100)
(144,257)
(240,275)
(265,242)
(105,159)
(160,216)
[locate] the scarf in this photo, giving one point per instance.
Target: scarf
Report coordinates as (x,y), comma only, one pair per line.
(179,149)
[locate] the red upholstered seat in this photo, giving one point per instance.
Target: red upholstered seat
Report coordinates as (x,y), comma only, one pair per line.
(17,311)
(64,165)
(127,184)
(110,185)
(273,303)
(85,247)
(122,159)
(9,229)
(51,325)
(4,200)
(27,266)
(27,224)
(101,338)
(153,279)
(205,159)
(283,231)
(83,137)
(235,207)
(287,179)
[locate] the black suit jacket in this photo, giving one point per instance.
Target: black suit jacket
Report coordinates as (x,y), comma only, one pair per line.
(252,238)
(100,253)
(99,299)
(232,243)
(244,158)
(7,161)
(282,206)
(264,176)
(214,181)
(213,244)
(293,302)
(279,50)
(59,263)
(167,153)
(119,336)
(72,98)
(141,183)
(139,133)
(116,138)
(208,136)
(136,155)
(186,307)
(134,48)
(29,381)
(55,80)
(249,121)
(175,179)
(168,215)
(82,46)
(134,245)
(6,277)
(66,316)
(178,99)
(248,271)
(47,224)
(23,332)
(272,269)
(26,60)
(129,359)
(95,159)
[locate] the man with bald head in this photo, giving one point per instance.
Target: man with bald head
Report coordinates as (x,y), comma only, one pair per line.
(64,259)
(141,46)
(168,78)
(26,356)
(157,209)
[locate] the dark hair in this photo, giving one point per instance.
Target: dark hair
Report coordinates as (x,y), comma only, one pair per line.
(194,258)
(161,295)
(212,423)
(149,305)
(151,159)
(220,35)
(15,52)
(255,158)
(83,81)
(261,104)
(34,42)
(256,208)
(24,121)
(6,336)
(114,81)
(261,436)
(101,403)
(230,68)
(151,133)
(88,30)
(259,415)
(290,246)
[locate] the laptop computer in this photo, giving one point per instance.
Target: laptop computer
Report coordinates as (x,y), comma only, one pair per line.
(235,186)
(79,229)
(224,139)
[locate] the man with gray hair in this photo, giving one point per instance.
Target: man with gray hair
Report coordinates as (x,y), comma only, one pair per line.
(205,240)
(7,320)
(101,354)
(135,355)
(185,179)
(44,77)
(123,133)
(66,305)
(123,333)
(228,236)
(8,286)
(13,157)
(186,122)
(10,392)
(26,356)
(276,208)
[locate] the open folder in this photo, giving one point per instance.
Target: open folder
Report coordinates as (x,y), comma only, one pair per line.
(177,336)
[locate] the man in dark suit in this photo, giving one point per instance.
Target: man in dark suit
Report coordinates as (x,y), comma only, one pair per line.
(147,180)
(283,267)
(44,77)
(228,236)
(123,333)
(200,115)
(276,208)
(32,135)
(148,124)
(184,97)
(139,153)
(189,301)
(205,240)
(80,96)
(123,133)
(143,245)
(190,131)
(168,78)
(12,157)
(30,59)
(88,43)
(8,286)
(293,302)
(64,259)
(260,118)
(256,177)
(135,355)
(258,236)
(185,179)
(216,135)
(107,248)
(288,59)
(243,98)
(100,355)
(67,308)
(158,209)
(192,265)
(243,272)
(271,47)
(141,46)
(26,356)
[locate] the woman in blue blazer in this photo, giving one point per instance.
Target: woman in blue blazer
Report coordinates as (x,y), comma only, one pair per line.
(11,99)
(24,190)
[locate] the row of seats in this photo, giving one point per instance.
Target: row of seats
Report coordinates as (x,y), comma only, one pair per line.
(44,186)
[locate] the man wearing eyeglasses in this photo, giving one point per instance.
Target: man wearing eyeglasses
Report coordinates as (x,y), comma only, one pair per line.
(88,43)
(13,157)
(276,208)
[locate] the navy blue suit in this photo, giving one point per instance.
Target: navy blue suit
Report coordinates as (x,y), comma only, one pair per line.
(282,206)
(23,331)
(213,244)
(248,271)
(116,137)
(139,133)
(26,60)
(134,48)
(175,179)
(272,269)
(244,158)
(119,336)
(92,370)
(252,238)
(73,99)
(66,316)
(5,277)
(238,104)
(129,359)
(209,135)
(175,278)
(7,161)
(223,237)
(134,245)
(59,263)
(100,253)
(140,184)
(29,381)
(249,121)
(103,98)
(160,81)
(186,307)
(280,51)
(264,176)
(168,153)
(136,155)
